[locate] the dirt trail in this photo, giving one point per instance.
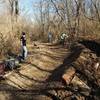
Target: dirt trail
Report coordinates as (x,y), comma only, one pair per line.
(24,83)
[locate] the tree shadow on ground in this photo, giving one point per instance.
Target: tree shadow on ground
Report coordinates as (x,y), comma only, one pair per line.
(20,94)
(56,75)
(13,93)
(58,72)
(31,64)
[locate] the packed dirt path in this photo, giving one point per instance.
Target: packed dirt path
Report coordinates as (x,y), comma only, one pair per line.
(26,82)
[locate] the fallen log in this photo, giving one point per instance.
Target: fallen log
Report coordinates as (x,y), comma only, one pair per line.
(82,86)
(88,65)
(68,75)
(71,79)
(84,73)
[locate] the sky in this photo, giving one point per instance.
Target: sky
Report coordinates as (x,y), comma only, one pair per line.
(27,7)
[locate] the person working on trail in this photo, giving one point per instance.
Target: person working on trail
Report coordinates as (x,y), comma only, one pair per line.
(62,38)
(23,46)
(50,37)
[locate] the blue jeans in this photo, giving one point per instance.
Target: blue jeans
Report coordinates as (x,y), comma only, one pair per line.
(24,52)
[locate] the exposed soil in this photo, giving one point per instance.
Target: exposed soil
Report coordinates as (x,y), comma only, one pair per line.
(31,80)
(40,76)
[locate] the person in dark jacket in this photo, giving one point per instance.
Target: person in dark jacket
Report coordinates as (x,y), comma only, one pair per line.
(23,46)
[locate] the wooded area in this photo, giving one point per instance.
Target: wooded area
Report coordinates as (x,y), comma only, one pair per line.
(74,17)
(62,45)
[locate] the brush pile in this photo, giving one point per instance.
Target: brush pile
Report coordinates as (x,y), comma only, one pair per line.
(81,78)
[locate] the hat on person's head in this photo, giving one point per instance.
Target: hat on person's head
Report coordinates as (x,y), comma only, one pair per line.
(23,33)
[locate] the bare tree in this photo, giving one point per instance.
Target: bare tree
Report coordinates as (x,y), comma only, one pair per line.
(96,4)
(72,16)
(13,10)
